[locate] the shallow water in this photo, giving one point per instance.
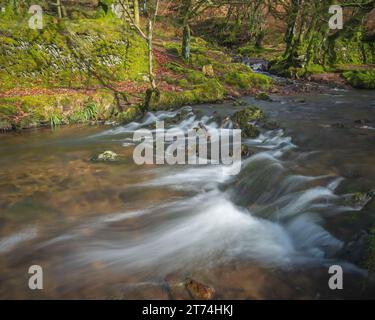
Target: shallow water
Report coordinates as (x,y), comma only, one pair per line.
(125,231)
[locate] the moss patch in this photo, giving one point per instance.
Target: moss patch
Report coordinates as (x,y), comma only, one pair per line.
(248,80)
(209,91)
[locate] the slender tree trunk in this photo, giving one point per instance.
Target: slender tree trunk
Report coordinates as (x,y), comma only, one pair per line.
(136,12)
(186,39)
(59,9)
(150,55)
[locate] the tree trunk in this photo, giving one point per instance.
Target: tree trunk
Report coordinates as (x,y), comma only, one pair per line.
(150,56)
(136,12)
(59,10)
(186,39)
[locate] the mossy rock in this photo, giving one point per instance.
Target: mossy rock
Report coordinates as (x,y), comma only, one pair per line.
(248,80)
(263,96)
(249,131)
(106,156)
(250,114)
(27,54)
(245,119)
(209,91)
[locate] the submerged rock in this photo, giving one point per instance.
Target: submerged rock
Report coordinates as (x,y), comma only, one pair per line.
(250,131)
(198,290)
(271,125)
(107,156)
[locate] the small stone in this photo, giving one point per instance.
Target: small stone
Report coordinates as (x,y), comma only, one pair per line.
(208,70)
(106,156)
(246,151)
(198,290)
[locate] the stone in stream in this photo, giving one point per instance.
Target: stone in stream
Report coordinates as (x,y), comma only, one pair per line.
(263,96)
(271,125)
(107,156)
(199,290)
(246,151)
(359,199)
(243,119)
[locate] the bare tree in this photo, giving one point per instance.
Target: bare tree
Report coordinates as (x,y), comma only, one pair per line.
(147,35)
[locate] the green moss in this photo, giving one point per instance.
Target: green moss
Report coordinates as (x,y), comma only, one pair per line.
(184,83)
(173,48)
(129,115)
(54,110)
(210,91)
(244,118)
(110,50)
(314,69)
(200,59)
(248,80)
(249,131)
(196,77)
(249,114)
(175,67)
(263,96)
(253,51)
(361,79)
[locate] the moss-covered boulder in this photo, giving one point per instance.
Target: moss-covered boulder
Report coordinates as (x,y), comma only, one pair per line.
(245,120)
(209,91)
(248,80)
(249,114)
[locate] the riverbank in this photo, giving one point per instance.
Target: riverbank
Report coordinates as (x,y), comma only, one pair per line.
(44,83)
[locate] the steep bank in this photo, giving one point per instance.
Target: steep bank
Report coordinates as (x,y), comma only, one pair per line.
(91,70)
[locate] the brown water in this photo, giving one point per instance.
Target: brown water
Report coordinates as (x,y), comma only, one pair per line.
(124,231)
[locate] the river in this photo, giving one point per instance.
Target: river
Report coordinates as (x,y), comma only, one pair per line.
(122,231)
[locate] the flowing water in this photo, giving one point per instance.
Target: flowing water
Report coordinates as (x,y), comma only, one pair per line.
(122,231)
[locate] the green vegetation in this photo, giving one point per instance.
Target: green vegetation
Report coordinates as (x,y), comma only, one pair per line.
(55,110)
(209,91)
(71,53)
(248,80)
(361,79)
